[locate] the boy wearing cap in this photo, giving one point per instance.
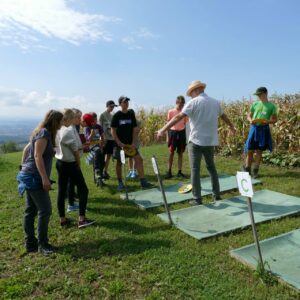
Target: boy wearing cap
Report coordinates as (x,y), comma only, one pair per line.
(93,134)
(262,113)
(124,131)
(105,121)
(176,138)
(203,112)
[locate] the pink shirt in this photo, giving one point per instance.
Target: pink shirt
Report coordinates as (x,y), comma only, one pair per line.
(181,124)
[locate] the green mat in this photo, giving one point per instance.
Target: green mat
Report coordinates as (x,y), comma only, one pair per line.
(282,254)
(153,197)
(204,221)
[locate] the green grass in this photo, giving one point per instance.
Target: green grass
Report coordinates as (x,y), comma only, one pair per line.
(131,253)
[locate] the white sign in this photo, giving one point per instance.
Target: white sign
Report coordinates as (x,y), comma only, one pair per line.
(154,164)
(244,184)
(123,159)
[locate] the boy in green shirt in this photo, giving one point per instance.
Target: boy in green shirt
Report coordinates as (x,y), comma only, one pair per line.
(262,113)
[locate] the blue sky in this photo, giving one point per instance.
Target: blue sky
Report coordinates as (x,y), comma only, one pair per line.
(81,53)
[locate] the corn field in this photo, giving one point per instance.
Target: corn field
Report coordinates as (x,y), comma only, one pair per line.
(285,133)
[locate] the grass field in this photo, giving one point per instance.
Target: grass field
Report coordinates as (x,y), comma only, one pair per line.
(131,253)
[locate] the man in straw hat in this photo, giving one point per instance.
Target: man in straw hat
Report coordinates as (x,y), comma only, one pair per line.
(203,112)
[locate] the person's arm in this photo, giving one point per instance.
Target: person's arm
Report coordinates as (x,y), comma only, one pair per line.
(115,137)
(273,119)
(171,123)
(25,153)
(249,117)
(102,140)
(39,149)
(228,122)
(135,135)
(91,135)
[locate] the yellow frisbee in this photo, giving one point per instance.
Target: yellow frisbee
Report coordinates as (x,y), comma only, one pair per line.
(259,121)
(129,150)
(186,188)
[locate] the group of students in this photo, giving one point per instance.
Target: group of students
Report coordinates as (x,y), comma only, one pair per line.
(59,134)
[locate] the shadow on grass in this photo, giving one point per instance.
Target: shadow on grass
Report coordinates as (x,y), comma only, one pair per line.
(113,247)
(133,228)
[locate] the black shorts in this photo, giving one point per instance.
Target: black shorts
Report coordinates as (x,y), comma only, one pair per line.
(177,140)
(109,147)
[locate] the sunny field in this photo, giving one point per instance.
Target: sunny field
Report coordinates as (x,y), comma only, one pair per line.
(131,253)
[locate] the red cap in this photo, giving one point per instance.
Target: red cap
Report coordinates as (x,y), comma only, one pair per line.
(88,119)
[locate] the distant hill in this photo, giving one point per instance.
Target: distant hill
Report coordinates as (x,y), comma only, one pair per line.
(18,131)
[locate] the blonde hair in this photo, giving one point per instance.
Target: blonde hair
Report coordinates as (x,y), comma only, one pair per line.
(76,112)
(68,114)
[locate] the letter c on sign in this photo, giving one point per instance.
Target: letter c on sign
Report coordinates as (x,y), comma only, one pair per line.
(242,183)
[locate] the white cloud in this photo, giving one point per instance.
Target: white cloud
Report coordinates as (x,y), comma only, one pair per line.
(146,33)
(133,40)
(33,103)
(131,43)
(24,22)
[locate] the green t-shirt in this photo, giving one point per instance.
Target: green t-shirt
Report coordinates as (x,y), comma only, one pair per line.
(263,110)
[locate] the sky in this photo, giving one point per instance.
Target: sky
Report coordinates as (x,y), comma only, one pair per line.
(81,53)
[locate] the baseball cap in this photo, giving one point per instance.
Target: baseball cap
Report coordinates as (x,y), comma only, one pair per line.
(261,90)
(88,119)
(110,103)
(123,99)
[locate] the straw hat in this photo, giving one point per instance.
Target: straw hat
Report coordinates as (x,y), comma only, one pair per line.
(195,84)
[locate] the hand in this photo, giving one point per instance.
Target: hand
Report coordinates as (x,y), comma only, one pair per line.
(121,145)
(159,134)
(46,184)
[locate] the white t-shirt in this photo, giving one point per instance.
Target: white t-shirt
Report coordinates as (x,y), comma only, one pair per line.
(203,113)
(67,141)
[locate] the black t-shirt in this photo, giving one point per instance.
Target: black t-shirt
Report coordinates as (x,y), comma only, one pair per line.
(124,123)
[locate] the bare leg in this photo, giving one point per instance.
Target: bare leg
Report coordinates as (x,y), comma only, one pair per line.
(249,159)
(107,159)
(119,169)
(258,157)
(180,160)
(130,163)
(170,162)
(139,165)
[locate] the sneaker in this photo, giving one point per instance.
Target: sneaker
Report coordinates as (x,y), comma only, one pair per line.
(100,182)
(180,175)
(146,185)
(121,186)
(46,249)
(85,223)
(216,198)
(129,174)
(65,223)
(97,174)
(133,174)
(255,172)
(168,175)
(246,169)
(195,202)
(105,175)
(72,207)
(31,247)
